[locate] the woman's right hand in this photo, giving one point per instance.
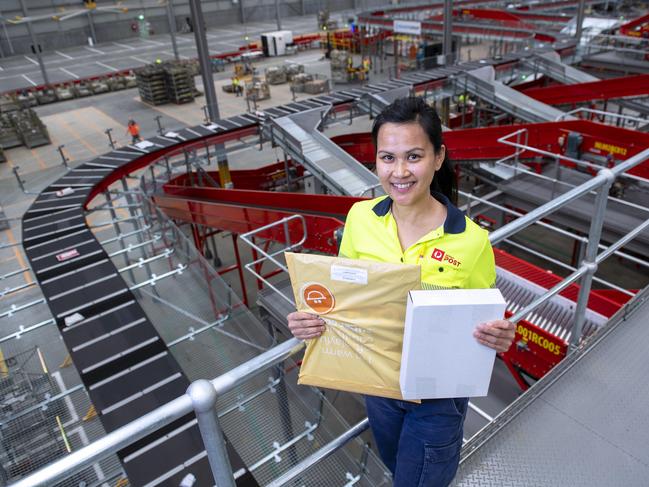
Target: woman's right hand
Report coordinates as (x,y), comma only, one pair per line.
(305,325)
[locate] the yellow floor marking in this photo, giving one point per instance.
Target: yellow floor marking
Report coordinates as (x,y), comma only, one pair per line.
(91,414)
(42,359)
(63,435)
(8,157)
(90,114)
(4,370)
(73,133)
(38,158)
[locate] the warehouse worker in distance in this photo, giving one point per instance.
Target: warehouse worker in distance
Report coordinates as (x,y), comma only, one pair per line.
(236,86)
(134,130)
(417,223)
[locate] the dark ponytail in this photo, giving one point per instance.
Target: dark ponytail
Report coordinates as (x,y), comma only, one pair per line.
(415,109)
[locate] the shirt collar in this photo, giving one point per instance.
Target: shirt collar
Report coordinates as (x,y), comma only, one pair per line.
(454,223)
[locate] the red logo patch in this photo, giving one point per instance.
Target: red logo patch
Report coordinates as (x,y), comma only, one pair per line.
(442,256)
(438,254)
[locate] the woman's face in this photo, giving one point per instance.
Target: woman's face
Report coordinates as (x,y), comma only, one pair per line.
(406,162)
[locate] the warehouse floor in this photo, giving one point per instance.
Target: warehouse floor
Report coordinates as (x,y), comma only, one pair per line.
(103,58)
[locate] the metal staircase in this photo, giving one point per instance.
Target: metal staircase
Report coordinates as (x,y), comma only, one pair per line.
(339,172)
(374,103)
(549,63)
(482,83)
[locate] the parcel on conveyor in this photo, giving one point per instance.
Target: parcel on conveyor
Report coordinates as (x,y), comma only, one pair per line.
(363,304)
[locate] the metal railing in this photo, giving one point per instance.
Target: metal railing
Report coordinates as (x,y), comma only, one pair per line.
(198,398)
(202,395)
(523,147)
(601,183)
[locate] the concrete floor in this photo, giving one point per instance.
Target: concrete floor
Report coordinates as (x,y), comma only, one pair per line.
(17,72)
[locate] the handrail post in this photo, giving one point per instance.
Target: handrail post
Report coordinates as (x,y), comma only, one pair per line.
(203,398)
(590,258)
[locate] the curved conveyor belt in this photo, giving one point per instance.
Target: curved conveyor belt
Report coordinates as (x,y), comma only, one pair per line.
(123,356)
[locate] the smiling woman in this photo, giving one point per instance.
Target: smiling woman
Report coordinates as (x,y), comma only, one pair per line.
(417,223)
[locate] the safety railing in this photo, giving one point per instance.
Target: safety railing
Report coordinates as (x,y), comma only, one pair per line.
(602,115)
(202,395)
(524,147)
(600,183)
(271,257)
(473,200)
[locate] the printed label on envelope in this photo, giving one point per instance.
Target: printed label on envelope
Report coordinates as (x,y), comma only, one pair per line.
(348,274)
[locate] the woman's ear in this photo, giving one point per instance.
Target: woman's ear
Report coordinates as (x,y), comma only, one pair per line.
(439,157)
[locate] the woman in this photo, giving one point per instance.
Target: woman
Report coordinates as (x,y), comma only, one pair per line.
(417,223)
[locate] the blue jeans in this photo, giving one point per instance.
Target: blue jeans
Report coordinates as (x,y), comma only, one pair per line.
(419,443)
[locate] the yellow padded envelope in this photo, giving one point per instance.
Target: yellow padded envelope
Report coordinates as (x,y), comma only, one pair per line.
(364,306)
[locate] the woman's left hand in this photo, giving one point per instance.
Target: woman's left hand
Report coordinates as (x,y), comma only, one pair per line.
(496,334)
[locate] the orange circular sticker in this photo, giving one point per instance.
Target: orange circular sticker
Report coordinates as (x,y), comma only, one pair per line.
(318,298)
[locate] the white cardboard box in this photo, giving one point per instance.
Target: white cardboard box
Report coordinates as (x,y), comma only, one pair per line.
(440,357)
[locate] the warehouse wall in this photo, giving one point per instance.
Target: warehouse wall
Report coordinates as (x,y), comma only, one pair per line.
(118,27)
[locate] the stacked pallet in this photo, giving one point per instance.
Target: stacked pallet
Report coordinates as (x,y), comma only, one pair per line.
(169,82)
(31,129)
(180,83)
(8,132)
(22,127)
(152,84)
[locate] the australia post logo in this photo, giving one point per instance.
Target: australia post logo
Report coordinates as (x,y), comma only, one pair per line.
(439,254)
(317,297)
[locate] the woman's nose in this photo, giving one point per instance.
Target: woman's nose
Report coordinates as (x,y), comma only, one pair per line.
(401,169)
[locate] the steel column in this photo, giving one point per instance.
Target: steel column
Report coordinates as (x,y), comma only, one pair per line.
(91,24)
(580,20)
(590,259)
(203,398)
(204,58)
(9,43)
(37,51)
(172,28)
(447,39)
(277,16)
(242,11)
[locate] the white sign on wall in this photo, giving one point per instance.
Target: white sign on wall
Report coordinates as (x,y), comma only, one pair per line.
(407,27)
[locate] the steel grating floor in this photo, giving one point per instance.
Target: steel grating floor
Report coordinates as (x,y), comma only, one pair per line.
(585,423)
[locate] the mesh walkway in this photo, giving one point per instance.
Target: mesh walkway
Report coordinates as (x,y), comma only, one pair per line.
(584,424)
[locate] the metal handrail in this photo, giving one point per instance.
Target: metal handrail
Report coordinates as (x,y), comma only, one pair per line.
(324,452)
(476,200)
(601,112)
(525,147)
(250,266)
(202,395)
(369,188)
(602,177)
(158,418)
(587,269)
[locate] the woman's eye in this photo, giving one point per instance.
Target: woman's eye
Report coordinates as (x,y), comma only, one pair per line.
(414,157)
(388,158)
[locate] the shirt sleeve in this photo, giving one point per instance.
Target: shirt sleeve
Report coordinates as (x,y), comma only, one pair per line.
(347,249)
(483,275)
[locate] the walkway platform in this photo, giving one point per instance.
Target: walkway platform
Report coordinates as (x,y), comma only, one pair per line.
(585,423)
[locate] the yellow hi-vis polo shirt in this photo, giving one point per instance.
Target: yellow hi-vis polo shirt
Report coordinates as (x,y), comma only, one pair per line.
(457,255)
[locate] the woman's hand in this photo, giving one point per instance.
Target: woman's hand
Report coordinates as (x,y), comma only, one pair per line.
(305,325)
(496,334)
